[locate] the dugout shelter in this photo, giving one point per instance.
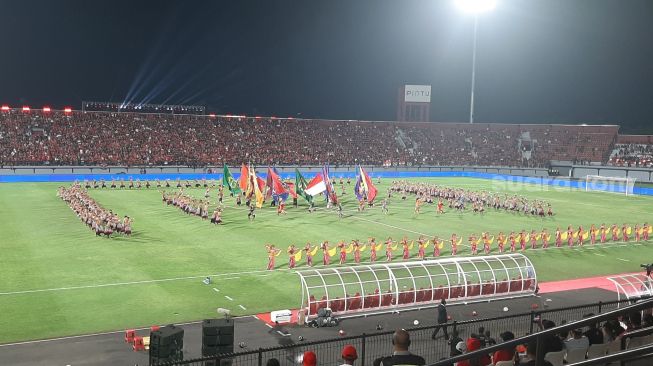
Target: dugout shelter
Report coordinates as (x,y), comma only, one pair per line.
(386,287)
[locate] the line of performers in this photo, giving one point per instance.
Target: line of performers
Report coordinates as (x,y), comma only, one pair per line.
(458,199)
(97,218)
(192,206)
(156,183)
(511,242)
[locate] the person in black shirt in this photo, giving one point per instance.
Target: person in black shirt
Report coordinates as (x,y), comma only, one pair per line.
(442,320)
(593,334)
(455,338)
(400,354)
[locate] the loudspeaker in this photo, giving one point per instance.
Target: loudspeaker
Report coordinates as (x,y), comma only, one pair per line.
(166,345)
(217,336)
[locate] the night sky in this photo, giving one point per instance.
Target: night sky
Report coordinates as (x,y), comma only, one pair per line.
(539,61)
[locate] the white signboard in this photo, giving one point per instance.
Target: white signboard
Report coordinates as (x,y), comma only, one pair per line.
(417,93)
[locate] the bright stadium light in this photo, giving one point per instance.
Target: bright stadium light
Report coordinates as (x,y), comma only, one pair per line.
(476,6)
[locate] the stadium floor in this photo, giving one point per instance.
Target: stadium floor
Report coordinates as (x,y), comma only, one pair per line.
(110,348)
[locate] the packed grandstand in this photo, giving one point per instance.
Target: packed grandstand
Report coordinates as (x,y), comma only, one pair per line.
(103,138)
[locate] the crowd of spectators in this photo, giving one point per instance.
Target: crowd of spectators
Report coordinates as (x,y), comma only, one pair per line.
(558,348)
(632,155)
(133,139)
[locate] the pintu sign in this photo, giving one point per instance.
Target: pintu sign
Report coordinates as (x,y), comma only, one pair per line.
(417,93)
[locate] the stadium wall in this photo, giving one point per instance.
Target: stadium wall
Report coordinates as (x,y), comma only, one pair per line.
(500,175)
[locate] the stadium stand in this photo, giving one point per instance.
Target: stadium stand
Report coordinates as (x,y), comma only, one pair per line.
(105,138)
(633,151)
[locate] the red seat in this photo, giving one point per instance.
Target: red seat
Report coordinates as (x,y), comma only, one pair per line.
(154,328)
(129,335)
(138,344)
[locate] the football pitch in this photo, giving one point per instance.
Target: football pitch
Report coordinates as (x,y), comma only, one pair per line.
(57,278)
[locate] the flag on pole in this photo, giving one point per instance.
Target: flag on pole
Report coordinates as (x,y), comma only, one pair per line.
(330,192)
(244,179)
(256,184)
(357,187)
(300,186)
(276,188)
(229,181)
(316,186)
(368,186)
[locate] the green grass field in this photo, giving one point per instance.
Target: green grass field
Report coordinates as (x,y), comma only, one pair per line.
(58,279)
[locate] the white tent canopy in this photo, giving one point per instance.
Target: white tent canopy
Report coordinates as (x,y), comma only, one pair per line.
(633,286)
(385,286)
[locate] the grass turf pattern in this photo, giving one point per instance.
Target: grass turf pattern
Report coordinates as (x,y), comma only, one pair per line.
(58,279)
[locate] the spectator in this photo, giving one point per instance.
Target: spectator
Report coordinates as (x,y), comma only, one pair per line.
(505,354)
(309,359)
(453,343)
(400,354)
(593,334)
(531,354)
(349,355)
(273,362)
(488,338)
(577,341)
(552,342)
(474,344)
(612,329)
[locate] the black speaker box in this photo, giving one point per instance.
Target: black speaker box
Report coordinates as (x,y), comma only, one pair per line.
(217,336)
(166,342)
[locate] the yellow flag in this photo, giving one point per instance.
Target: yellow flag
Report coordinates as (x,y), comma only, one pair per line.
(350,248)
(441,244)
(629,230)
(298,256)
(410,246)
(563,236)
(332,251)
(586,235)
(315,248)
(491,240)
(379,246)
(650,229)
(537,237)
(278,253)
(394,247)
(459,241)
(363,247)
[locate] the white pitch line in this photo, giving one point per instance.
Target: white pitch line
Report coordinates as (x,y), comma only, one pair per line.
(231,278)
(624,260)
(242,307)
(388,225)
(600,255)
(250,272)
(228,298)
(216,290)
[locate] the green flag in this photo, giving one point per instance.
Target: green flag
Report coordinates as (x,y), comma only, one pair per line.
(300,186)
(229,181)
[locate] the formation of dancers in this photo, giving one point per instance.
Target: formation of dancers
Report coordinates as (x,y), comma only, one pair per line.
(192,206)
(459,199)
(511,242)
(97,218)
(132,183)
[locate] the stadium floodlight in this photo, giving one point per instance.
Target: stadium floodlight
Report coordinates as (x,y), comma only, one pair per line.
(474,7)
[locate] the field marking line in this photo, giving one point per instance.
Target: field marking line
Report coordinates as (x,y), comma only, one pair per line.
(242,307)
(216,290)
(599,254)
(624,260)
(388,225)
(231,278)
(228,298)
(606,245)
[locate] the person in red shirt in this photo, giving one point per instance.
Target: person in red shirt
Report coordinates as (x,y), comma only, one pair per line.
(474,344)
(505,354)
